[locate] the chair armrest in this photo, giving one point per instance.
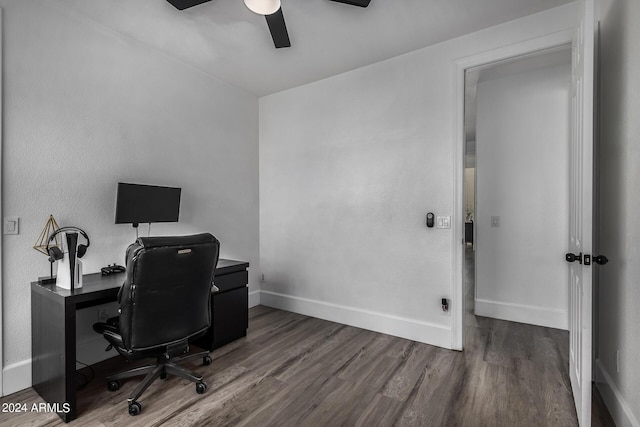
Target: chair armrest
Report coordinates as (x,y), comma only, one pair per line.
(113,338)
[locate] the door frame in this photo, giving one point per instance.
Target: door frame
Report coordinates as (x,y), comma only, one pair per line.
(540,44)
(1,210)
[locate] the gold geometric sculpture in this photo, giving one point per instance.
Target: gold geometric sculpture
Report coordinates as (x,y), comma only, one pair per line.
(43,238)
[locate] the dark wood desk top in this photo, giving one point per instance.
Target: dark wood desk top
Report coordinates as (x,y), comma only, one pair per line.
(226,266)
(96,287)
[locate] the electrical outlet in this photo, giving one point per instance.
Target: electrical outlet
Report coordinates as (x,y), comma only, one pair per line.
(445,304)
(103,314)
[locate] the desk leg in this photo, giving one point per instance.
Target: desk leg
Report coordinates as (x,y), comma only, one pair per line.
(53,367)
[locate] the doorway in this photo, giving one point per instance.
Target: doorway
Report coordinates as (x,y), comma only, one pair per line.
(517,132)
(580,180)
(546,43)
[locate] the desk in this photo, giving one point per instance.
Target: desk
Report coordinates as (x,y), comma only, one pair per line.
(53,326)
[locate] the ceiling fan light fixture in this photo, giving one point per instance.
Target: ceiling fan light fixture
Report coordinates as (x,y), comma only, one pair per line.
(263,7)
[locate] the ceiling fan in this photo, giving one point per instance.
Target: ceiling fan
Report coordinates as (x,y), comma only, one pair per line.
(272,12)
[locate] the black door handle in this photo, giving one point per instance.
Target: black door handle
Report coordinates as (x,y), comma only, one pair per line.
(573,257)
(600,259)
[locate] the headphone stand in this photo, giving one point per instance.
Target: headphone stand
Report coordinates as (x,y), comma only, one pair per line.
(48,280)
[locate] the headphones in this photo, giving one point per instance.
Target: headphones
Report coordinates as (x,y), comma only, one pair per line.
(55,253)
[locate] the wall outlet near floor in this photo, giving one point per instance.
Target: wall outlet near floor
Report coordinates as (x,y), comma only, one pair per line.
(445,304)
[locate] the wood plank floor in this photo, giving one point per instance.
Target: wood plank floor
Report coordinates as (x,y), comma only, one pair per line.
(293,370)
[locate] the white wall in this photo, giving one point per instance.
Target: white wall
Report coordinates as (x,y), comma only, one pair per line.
(349,166)
(85,108)
(522,158)
(619,297)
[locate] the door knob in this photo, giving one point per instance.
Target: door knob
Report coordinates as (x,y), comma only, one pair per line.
(600,259)
(573,257)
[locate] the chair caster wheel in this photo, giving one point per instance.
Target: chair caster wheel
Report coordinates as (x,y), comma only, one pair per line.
(201,387)
(134,408)
(163,375)
(206,360)
(113,385)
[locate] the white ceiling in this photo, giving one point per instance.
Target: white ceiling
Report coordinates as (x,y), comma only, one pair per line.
(227,41)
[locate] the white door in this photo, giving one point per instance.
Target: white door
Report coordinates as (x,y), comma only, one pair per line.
(581,213)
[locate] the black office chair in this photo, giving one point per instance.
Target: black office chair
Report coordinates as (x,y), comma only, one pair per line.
(164,302)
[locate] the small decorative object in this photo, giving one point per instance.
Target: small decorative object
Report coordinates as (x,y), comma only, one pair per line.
(42,244)
(469,214)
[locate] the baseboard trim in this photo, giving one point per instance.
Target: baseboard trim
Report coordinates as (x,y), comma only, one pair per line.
(402,327)
(254,298)
(531,314)
(16,377)
(613,399)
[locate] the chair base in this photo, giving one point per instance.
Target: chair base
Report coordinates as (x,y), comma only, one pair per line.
(158,370)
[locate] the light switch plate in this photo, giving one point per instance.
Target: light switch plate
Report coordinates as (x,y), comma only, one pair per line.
(11,225)
(443,222)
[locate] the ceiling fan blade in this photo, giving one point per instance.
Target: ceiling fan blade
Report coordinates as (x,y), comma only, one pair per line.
(278,29)
(185,4)
(361,3)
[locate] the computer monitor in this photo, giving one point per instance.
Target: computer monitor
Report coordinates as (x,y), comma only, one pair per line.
(138,203)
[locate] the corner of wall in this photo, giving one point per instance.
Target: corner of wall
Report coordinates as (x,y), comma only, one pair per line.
(254,298)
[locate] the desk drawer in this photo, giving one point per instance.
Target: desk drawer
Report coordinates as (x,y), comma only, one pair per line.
(226,282)
(230,316)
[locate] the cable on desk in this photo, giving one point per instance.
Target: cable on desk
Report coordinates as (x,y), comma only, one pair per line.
(85,379)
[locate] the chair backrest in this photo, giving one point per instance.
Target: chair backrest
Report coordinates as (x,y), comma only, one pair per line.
(165,298)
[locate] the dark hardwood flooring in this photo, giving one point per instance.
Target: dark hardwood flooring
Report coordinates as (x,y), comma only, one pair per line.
(294,370)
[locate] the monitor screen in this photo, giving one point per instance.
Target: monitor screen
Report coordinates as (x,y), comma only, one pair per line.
(137,203)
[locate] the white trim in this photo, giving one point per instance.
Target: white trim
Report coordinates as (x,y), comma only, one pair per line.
(254,298)
(457,232)
(17,376)
(402,327)
(3,390)
(531,314)
(551,41)
(614,400)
